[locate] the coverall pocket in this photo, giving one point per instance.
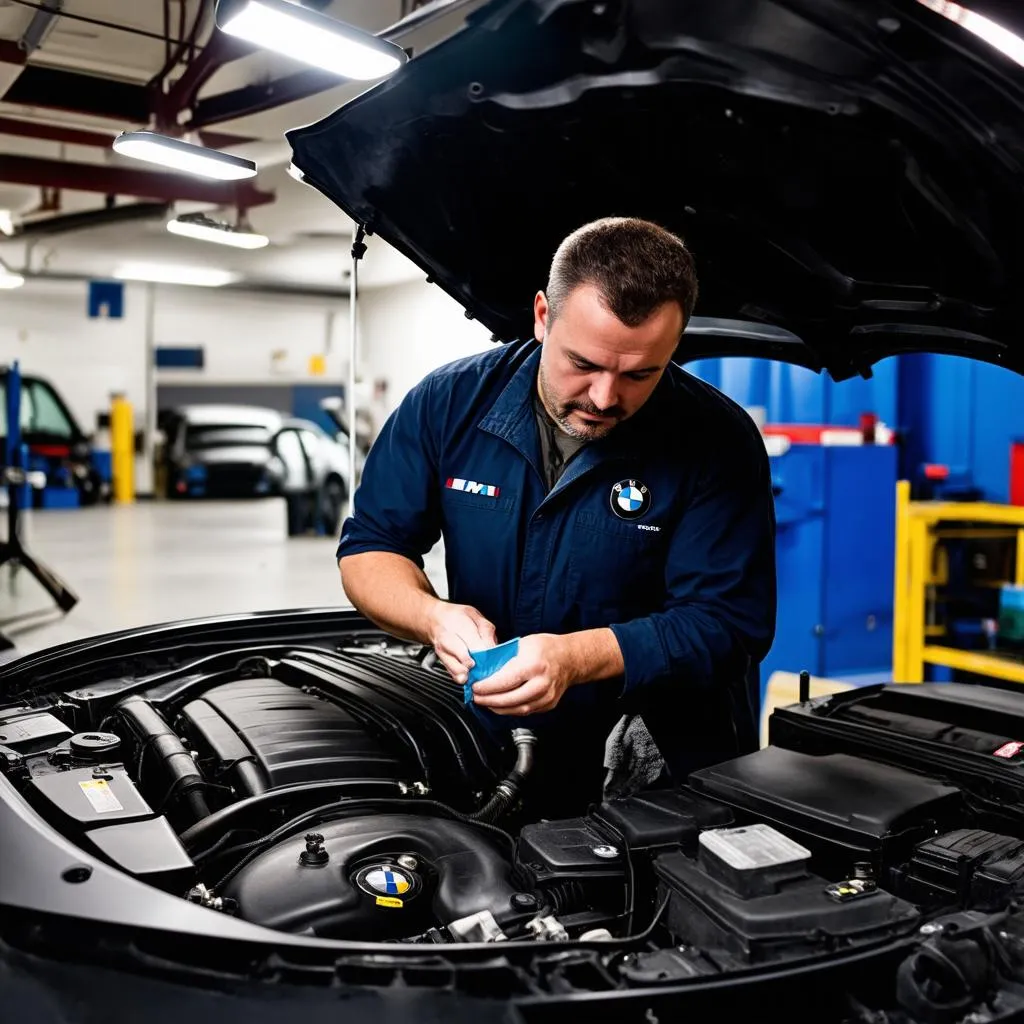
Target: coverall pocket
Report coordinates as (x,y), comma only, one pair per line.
(614,565)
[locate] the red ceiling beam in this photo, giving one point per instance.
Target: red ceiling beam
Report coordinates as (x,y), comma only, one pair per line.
(127,181)
(80,137)
(53,133)
(11,52)
(255,99)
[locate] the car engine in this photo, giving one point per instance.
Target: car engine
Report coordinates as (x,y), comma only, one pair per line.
(347,794)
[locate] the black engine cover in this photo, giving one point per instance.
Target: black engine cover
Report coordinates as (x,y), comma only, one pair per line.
(363,892)
(287,735)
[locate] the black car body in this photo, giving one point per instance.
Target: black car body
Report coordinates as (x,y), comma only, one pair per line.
(241,451)
(292,816)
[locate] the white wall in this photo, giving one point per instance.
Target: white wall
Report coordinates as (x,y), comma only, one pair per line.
(407,330)
(250,338)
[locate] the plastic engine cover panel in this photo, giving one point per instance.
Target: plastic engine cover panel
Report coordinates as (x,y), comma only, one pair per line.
(295,737)
(832,801)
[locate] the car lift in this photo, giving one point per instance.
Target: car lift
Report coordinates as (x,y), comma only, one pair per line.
(14,476)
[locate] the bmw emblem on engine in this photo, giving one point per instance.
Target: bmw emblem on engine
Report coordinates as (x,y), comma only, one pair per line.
(630,499)
(387,880)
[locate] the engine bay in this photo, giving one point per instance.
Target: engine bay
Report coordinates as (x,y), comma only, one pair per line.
(347,795)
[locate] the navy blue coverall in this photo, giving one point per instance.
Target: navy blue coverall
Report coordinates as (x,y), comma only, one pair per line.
(663,531)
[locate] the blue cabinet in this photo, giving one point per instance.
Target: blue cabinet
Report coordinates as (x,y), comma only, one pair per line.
(836,540)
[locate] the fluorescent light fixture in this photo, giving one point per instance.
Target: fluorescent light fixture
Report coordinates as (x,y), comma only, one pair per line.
(310,37)
(207,230)
(165,273)
(1005,41)
(183,156)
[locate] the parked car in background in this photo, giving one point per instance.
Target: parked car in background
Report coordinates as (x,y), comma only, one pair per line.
(56,443)
(241,451)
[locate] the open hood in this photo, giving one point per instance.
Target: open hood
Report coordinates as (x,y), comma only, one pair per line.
(847,172)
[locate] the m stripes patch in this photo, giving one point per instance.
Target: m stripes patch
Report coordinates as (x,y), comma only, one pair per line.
(456,483)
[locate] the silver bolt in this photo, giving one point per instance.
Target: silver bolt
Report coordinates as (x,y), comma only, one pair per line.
(930,929)
(408,862)
(606,852)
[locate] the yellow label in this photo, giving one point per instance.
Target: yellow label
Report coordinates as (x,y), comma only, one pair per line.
(317,365)
(388,901)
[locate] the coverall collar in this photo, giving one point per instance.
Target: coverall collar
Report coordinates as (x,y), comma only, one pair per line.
(512,419)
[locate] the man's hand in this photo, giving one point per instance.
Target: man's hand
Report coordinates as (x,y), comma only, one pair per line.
(534,680)
(546,666)
(455,630)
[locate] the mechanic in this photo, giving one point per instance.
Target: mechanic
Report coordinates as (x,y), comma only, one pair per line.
(596,501)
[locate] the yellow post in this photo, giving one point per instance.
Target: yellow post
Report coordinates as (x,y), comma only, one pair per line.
(901,582)
(1019,576)
(913,664)
(122,449)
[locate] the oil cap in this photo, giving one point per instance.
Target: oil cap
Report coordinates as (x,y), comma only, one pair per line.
(95,746)
(314,855)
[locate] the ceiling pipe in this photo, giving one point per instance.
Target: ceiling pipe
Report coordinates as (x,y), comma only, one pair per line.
(85,220)
(127,181)
(186,44)
(219,51)
(40,26)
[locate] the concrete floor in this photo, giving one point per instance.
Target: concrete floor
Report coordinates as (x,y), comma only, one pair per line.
(154,562)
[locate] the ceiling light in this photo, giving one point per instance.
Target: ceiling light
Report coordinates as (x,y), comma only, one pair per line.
(207,230)
(164,273)
(183,156)
(6,222)
(9,280)
(310,37)
(1005,41)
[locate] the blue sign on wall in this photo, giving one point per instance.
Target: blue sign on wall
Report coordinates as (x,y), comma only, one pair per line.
(106,299)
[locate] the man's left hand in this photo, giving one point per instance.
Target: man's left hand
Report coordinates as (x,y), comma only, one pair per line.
(534,680)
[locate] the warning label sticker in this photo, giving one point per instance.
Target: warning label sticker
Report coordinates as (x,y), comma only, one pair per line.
(101,796)
(754,846)
(1011,749)
(389,901)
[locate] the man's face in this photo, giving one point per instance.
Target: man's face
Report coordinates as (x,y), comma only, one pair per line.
(594,370)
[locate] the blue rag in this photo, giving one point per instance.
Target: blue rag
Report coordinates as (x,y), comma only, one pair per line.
(487,662)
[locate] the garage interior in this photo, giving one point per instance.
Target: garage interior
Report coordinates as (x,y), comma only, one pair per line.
(229,253)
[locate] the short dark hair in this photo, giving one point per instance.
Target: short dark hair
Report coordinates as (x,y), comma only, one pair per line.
(636,265)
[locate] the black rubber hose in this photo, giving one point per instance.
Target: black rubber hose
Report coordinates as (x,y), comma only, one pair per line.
(182,776)
(508,789)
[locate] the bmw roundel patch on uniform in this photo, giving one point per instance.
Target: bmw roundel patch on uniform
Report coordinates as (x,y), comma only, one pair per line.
(630,499)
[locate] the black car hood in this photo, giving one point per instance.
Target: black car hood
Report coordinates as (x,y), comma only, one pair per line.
(847,171)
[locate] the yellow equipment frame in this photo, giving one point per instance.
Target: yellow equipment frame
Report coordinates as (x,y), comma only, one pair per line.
(920,564)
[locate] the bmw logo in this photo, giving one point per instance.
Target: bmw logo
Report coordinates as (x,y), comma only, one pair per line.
(630,499)
(387,880)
